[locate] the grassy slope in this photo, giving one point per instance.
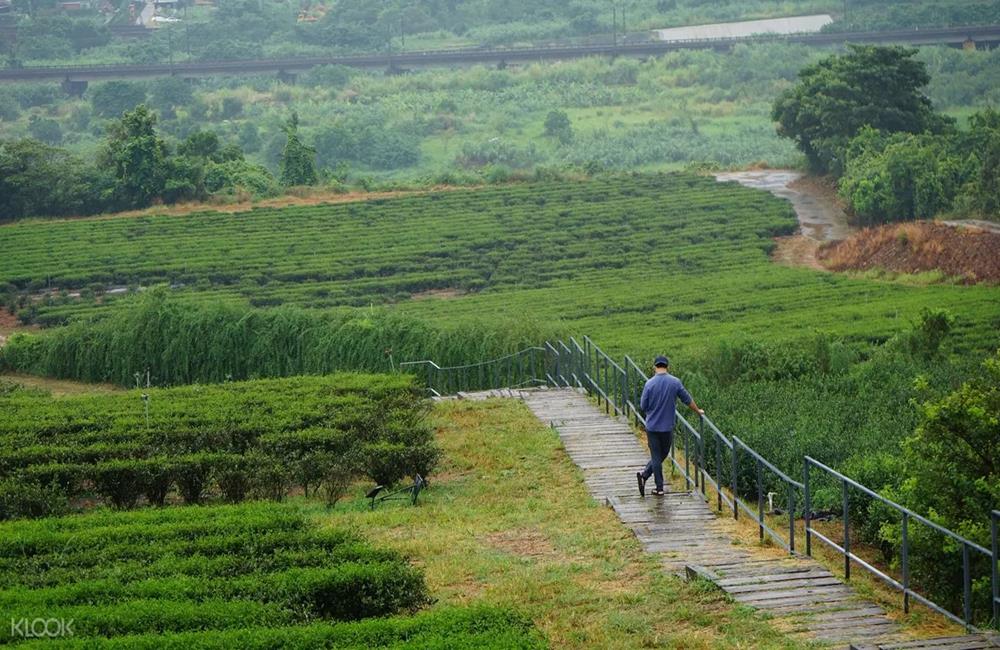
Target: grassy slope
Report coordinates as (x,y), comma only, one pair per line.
(508,521)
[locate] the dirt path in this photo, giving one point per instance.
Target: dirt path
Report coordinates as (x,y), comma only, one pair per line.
(821,219)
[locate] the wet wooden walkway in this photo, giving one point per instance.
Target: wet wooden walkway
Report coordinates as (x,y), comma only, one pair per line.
(802,596)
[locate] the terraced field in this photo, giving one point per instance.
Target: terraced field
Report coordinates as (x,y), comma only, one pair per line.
(634,261)
(251,576)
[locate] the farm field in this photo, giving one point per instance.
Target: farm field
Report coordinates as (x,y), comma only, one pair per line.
(225,442)
(640,263)
(505,542)
(219,576)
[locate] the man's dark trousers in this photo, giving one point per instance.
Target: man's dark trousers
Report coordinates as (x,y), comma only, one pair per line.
(659,449)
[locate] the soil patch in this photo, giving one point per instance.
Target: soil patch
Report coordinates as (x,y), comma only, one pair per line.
(315,197)
(524,543)
(797,250)
(969,254)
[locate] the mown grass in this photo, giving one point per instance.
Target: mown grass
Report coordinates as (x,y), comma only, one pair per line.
(508,521)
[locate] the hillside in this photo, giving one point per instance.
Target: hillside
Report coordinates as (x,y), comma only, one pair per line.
(964,254)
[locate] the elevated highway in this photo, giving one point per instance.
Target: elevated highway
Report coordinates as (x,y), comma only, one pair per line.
(76,76)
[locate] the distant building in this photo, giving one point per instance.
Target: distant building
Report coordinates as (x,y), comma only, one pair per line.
(74,5)
(795,25)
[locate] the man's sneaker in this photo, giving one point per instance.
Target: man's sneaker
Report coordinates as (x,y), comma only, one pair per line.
(642,484)
(658,493)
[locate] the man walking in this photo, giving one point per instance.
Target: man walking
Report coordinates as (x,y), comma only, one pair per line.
(659,397)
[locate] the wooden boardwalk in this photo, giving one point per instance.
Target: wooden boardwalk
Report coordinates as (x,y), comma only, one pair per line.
(802,596)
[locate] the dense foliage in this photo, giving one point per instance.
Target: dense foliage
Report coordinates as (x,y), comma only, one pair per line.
(226,441)
(249,576)
(903,176)
(877,87)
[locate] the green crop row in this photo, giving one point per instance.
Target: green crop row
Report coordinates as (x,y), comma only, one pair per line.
(196,569)
(455,628)
(380,251)
(228,441)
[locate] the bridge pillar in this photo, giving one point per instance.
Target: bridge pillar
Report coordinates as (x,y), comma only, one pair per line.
(286,77)
(74,88)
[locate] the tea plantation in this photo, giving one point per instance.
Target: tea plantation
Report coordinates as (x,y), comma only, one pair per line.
(248,576)
(638,262)
(224,442)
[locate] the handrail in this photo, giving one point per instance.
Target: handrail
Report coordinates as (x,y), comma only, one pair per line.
(617,387)
(473,365)
(906,516)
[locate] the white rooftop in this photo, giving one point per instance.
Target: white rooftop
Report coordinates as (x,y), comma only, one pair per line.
(794,25)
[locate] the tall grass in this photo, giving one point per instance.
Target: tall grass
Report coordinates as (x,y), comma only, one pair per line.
(180,342)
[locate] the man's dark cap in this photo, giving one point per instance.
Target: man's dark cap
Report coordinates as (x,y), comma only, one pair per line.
(662,361)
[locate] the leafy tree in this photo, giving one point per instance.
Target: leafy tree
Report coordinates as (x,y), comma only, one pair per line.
(983,193)
(113,98)
(45,129)
(249,137)
(952,464)
(171,92)
(878,87)
(557,125)
(137,157)
(40,180)
(9,109)
(298,165)
(200,144)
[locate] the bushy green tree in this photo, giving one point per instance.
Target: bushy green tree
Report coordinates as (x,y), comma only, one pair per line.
(113,98)
(557,125)
(880,87)
(171,92)
(137,157)
(45,129)
(40,180)
(298,165)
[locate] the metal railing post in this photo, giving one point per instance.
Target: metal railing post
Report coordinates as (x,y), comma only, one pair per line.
(687,462)
(847,532)
(994,525)
(735,481)
(807,506)
(760,499)
(791,519)
(701,445)
(906,563)
(966,587)
(718,471)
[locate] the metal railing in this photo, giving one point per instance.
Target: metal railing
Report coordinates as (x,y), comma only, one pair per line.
(734,470)
(522,368)
(710,458)
(908,518)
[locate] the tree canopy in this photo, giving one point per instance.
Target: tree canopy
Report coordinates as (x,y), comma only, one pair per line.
(879,87)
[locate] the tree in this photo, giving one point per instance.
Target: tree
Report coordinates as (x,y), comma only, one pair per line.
(113,98)
(137,157)
(45,129)
(878,87)
(557,125)
(298,165)
(39,180)
(171,92)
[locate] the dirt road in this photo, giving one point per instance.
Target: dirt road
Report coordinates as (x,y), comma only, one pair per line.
(820,218)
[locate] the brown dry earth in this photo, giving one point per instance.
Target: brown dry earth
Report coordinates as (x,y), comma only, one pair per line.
(969,253)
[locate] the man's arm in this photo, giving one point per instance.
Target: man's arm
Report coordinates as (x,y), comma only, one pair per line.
(644,400)
(687,399)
